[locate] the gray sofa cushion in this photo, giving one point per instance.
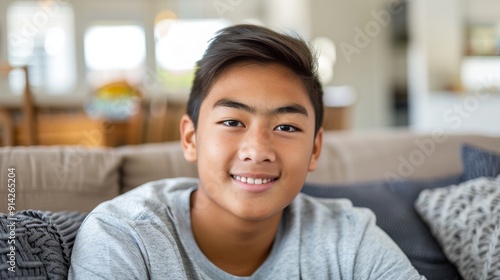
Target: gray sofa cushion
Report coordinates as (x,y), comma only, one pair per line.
(60,178)
(43,244)
(479,162)
(150,162)
(363,157)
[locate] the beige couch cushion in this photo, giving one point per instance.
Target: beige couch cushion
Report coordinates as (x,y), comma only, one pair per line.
(148,162)
(59,178)
(356,157)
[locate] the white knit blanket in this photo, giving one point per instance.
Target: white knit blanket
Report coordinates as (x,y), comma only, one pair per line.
(465,219)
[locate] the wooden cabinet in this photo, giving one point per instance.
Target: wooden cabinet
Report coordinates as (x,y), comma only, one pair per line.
(337,118)
(77,128)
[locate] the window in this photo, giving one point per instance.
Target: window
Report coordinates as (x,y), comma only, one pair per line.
(41,36)
(179,44)
(326,55)
(114,52)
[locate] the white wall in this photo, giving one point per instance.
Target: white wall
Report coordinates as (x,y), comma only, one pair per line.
(483,11)
(368,69)
(143,12)
(290,14)
(368,72)
(446,38)
(437,49)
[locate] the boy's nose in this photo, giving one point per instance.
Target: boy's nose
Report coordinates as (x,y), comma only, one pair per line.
(257,147)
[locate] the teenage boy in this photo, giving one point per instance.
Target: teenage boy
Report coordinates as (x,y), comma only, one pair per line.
(253,127)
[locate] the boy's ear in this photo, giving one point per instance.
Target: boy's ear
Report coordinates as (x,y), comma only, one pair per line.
(188,138)
(318,143)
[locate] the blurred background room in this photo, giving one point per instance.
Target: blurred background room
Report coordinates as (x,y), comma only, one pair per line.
(118,72)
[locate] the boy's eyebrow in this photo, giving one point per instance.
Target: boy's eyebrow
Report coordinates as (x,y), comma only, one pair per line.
(288,109)
(224,102)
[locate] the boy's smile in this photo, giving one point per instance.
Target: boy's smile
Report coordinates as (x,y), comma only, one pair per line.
(254,143)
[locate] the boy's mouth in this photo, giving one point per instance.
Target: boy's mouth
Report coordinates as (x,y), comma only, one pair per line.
(253,181)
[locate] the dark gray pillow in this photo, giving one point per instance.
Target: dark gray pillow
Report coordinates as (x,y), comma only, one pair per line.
(478,162)
(43,243)
(392,203)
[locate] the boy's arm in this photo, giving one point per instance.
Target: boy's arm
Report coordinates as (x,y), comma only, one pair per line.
(379,257)
(107,248)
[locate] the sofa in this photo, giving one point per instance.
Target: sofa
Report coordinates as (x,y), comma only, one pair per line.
(404,177)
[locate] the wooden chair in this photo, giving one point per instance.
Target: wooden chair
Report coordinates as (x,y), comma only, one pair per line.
(161,120)
(133,128)
(156,120)
(9,123)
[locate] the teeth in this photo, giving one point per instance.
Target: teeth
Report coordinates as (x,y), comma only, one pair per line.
(252,181)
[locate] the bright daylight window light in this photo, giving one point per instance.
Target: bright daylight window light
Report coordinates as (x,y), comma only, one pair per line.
(180,43)
(54,41)
(115,47)
(326,52)
(41,35)
(480,73)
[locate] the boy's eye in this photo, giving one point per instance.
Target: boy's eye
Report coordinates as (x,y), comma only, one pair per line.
(287,128)
(232,123)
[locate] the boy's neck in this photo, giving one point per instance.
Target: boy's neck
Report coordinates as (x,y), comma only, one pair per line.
(237,246)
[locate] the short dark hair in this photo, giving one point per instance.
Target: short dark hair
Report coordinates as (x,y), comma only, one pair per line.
(252,43)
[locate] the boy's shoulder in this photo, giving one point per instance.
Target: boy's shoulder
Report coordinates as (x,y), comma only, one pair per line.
(152,197)
(331,211)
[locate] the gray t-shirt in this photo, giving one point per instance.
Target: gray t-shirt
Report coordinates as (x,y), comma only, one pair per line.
(146,234)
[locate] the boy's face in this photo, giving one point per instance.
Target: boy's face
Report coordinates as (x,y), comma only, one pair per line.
(255,141)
